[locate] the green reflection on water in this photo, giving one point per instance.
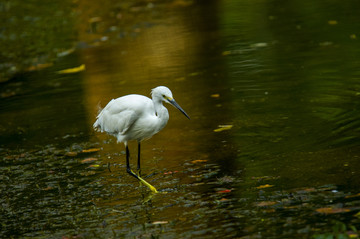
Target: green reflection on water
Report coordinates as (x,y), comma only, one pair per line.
(32,34)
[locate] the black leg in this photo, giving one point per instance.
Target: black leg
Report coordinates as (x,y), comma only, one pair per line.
(128,169)
(138,165)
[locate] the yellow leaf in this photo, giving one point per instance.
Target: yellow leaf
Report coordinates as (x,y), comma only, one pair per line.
(215,95)
(330,210)
(353,196)
(225,53)
(353,235)
(94,166)
(90,150)
(88,160)
(72,70)
(199,161)
(160,222)
(197,184)
(332,22)
(70,154)
(265,186)
(95,19)
(194,74)
(223,127)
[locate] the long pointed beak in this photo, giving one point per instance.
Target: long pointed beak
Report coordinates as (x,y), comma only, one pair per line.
(173,102)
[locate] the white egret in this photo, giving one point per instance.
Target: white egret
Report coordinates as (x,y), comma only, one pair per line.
(136,117)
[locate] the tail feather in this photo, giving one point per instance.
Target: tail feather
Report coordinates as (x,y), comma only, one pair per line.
(97,125)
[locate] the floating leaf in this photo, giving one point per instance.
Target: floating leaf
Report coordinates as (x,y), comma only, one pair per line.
(222,200)
(215,95)
(199,161)
(265,203)
(353,196)
(180,79)
(265,186)
(194,74)
(309,190)
(160,222)
(197,184)
(39,66)
(224,191)
(225,53)
(170,172)
(94,166)
(330,210)
(90,150)
(88,160)
(95,19)
(72,70)
(70,154)
(48,188)
(223,127)
(258,45)
(65,52)
(7,94)
(332,22)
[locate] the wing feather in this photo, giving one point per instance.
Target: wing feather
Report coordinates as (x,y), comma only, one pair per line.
(120,114)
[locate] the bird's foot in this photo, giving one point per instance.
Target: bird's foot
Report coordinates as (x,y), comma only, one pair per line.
(151,187)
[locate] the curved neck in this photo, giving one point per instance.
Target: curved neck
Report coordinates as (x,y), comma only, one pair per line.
(159,108)
(161,112)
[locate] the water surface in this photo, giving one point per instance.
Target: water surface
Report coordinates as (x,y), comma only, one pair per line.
(271,150)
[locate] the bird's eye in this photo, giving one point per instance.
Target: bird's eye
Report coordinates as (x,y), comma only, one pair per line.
(163,96)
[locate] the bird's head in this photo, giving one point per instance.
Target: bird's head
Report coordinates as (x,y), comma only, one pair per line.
(163,94)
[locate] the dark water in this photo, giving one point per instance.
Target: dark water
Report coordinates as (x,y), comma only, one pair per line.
(271,150)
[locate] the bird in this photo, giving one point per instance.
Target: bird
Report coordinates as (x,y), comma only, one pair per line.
(136,117)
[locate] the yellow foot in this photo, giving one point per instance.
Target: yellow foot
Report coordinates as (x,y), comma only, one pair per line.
(151,187)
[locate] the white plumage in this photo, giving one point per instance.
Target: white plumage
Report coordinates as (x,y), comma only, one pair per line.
(136,117)
(131,117)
